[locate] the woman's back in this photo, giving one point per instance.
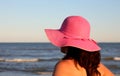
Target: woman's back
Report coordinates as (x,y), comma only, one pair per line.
(68,68)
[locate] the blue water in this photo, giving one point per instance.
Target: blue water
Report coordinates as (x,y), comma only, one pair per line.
(42,57)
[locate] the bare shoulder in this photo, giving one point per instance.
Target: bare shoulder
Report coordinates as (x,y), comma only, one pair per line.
(61,68)
(104,70)
(65,68)
(67,64)
(62,63)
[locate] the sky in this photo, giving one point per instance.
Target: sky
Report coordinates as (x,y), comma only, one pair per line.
(25,20)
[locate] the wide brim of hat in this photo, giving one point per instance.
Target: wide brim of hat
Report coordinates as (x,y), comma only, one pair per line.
(58,39)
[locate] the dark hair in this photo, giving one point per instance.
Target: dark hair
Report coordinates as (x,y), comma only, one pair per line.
(87,60)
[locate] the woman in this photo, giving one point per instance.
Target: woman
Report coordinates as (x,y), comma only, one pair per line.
(82,53)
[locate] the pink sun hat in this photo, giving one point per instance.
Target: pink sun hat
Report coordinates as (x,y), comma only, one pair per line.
(75,31)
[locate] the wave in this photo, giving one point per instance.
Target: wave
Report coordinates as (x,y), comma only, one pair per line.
(26,59)
(49,59)
(117,58)
(20,60)
(112,58)
(1,59)
(44,73)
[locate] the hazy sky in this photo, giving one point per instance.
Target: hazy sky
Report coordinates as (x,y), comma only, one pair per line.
(25,20)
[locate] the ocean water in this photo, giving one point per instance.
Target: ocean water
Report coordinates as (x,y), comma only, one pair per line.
(39,59)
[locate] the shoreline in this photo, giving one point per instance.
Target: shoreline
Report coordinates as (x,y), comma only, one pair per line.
(22,73)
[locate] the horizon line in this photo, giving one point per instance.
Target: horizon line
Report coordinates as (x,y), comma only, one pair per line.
(50,42)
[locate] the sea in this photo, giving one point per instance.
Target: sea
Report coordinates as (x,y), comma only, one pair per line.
(39,59)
